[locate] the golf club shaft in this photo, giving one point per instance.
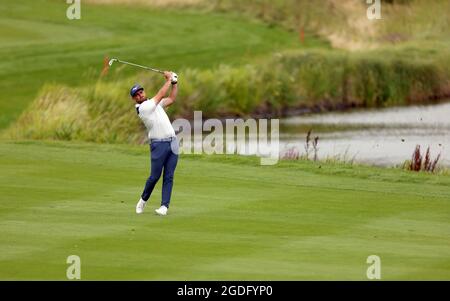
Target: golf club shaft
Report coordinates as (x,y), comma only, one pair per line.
(140,66)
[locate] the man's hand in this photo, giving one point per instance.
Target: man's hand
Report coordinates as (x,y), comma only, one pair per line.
(168,75)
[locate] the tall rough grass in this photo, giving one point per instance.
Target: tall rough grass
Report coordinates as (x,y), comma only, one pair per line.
(316,80)
(96,114)
(320,80)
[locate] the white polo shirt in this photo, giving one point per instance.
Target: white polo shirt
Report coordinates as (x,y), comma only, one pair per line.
(155,119)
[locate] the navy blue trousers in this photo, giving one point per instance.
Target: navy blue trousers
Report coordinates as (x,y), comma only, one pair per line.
(164,156)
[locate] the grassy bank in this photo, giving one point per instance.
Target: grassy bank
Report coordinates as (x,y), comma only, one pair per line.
(342,22)
(230,218)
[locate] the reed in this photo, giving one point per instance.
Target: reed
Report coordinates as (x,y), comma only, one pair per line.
(424,162)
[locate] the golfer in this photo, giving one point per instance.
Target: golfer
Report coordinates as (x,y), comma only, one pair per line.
(163,142)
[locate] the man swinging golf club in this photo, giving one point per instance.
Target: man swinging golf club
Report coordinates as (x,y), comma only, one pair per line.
(163,142)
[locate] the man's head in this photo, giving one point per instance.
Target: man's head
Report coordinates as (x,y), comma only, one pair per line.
(138,94)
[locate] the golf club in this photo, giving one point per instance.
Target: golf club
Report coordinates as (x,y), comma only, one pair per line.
(111,61)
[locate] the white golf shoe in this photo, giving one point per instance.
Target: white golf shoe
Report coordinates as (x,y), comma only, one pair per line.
(140,206)
(162,210)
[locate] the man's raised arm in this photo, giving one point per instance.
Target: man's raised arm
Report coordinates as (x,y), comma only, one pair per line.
(164,89)
(173,94)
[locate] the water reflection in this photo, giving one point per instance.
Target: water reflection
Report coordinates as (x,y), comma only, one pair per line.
(379,137)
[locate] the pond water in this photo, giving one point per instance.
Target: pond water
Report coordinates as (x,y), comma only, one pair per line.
(384,137)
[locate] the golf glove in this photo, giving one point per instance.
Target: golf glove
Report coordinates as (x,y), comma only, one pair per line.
(174,78)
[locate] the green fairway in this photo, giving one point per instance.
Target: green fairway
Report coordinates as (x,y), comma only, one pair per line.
(230,218)
(40,45)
